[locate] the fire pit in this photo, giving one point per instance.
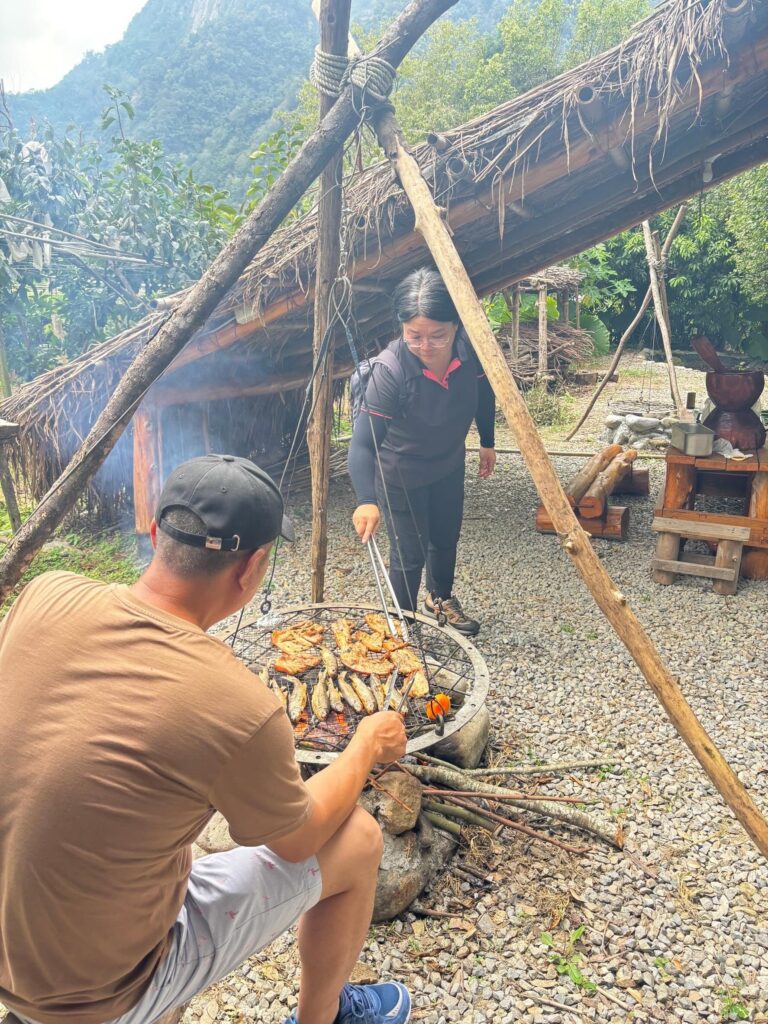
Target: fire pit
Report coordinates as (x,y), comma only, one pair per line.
(449,661)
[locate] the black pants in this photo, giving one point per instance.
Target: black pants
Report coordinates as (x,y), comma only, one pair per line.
(424,523)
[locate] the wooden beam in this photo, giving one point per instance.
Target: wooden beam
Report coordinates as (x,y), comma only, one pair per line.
(334,32)
(575,542)
(8,489)
(220,392)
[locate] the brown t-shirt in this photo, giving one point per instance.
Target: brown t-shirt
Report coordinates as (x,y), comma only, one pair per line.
(121,729)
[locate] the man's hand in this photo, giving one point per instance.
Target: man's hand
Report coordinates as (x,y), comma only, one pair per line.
(365,520)
(487,462)
(384,735)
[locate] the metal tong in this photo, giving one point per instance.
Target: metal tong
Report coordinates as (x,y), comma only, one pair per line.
(380,574)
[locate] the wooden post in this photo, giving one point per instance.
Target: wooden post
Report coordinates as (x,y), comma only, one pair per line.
(655,263)
(631,329)
(8,431)
(334,36)
(5,377)
(574,540)
(543,355)
(147,465)
(516,324)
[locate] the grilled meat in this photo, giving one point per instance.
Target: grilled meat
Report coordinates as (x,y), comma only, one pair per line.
(366,697)
(342,630)
(348,693)
(296,664)
(359,660)
(298,638)
(371,641)
(419,685)
(405,661)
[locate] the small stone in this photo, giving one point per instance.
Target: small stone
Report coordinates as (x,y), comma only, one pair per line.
(642,424)
(486,925)
(466,746)
(398,808)
(215,837)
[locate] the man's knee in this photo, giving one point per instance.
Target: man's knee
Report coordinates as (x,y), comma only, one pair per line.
(367,834)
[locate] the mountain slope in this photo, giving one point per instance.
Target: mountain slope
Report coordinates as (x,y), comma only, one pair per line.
(205,76)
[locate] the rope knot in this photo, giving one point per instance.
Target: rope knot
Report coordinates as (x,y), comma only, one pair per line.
(372,76)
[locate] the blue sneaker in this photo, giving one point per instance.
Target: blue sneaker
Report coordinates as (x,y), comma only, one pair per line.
(387,1003)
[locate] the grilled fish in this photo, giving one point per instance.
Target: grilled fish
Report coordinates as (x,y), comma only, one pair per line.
(371,641)
(279,692)
(379,691)
(366,697)
(319,700)
(297,701)
(330,664)
(348,693)
(334,697)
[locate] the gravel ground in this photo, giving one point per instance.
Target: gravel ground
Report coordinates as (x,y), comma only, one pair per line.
(675,927)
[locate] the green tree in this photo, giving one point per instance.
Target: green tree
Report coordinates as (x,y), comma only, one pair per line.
(601,24)
(143,225)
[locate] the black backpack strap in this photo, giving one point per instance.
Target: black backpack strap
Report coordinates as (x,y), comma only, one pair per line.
(388,357)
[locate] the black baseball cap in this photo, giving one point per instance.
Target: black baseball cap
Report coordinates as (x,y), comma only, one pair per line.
(239,503)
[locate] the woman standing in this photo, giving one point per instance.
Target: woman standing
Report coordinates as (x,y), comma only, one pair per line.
(407,451)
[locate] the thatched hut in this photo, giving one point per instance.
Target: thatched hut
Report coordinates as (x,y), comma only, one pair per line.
(678,107)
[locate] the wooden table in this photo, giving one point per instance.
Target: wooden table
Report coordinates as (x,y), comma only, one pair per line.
(741,540)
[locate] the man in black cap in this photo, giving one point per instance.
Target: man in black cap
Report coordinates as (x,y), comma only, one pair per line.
(130,726)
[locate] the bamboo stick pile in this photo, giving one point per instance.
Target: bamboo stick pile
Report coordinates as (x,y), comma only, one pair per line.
(455,798)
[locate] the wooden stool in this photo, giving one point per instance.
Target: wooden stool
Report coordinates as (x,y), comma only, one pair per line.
(735,535)
(723,568)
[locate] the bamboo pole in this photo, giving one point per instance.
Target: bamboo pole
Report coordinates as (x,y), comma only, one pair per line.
(543,355)
(653,256)
(632,327)
(202,298)
(334,38)
(574,540)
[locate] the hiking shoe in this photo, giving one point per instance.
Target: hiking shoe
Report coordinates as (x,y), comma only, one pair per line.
(386,1003)
(454,614)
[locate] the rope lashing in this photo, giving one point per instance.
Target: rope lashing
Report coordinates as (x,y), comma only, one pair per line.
(372,75)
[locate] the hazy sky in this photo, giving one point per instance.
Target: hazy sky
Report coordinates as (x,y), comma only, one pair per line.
(40,40)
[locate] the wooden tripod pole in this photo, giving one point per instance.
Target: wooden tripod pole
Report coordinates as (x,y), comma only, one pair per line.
(658,288)
(574,540)
(631,329)
(334,38)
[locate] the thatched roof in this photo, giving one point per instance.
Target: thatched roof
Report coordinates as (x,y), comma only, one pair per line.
(680,104)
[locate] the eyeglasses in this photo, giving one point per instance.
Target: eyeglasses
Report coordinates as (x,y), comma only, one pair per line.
(442,343)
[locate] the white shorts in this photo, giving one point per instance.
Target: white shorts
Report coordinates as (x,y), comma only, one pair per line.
(236,903)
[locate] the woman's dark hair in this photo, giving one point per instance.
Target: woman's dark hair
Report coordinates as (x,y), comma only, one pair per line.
(423,293)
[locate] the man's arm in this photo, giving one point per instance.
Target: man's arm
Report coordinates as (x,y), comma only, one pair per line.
(379,739)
